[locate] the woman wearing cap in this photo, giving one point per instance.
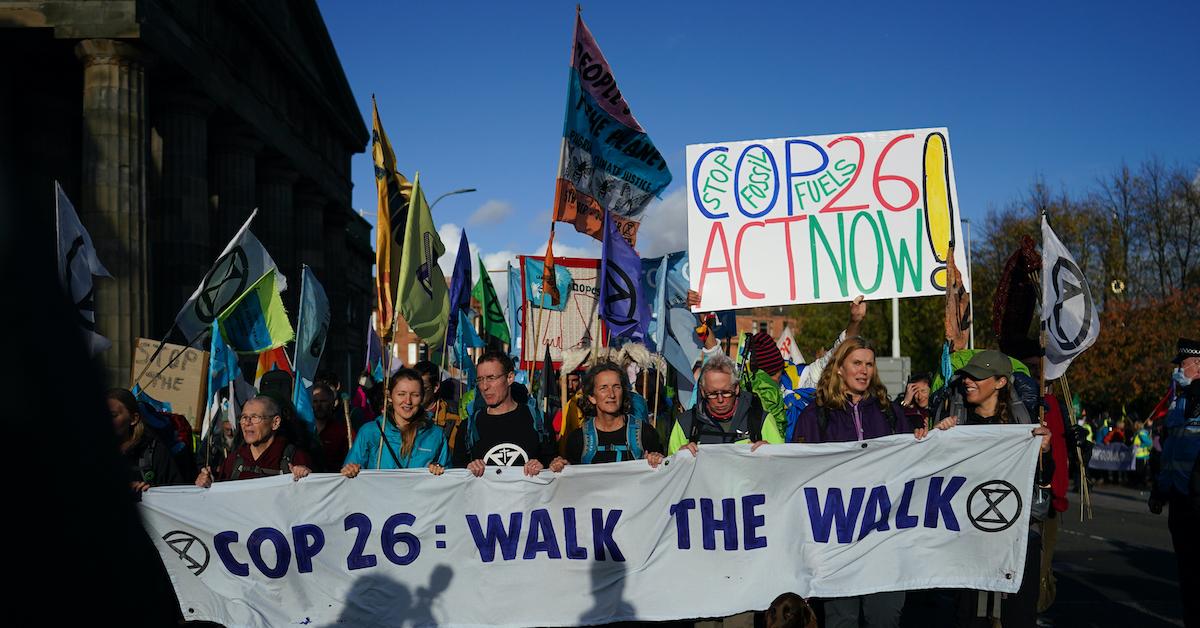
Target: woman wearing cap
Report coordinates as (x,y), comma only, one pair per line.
(981,394)
(851,404)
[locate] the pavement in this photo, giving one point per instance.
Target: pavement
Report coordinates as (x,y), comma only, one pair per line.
(1116,568)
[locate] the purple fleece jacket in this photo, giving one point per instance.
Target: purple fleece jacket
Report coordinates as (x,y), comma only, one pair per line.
(856,422)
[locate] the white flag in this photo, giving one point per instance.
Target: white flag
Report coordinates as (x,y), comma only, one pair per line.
(787,346)
(1069,313)
(77,264)
(242,262)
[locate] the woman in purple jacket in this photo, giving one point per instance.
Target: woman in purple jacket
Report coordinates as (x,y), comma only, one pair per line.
(852,405)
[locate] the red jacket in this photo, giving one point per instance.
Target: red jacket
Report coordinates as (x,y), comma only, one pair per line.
(1058,450)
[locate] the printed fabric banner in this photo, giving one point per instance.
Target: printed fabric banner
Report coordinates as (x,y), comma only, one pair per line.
(576,326)
(823,218)
(608,163)
(1112,457)
(709,536)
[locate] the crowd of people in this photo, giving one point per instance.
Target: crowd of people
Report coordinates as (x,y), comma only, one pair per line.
(416,419)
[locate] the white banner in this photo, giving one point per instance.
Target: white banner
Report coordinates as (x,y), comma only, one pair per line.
(822,218)
(709,536)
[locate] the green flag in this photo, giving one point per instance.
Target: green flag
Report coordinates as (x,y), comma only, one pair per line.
(256,321)
(494,323)
(424,301)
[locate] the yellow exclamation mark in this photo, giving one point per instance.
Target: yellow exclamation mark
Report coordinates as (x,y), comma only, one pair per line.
(939,208)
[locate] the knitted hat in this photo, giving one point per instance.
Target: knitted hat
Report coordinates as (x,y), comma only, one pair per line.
(764,354)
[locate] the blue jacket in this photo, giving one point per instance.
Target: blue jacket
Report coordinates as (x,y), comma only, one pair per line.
(1181,449)
(428,447)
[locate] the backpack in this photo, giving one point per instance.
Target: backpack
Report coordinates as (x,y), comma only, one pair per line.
(755,416)
(477,407)
(633,441)
(285,461)
(146,461)
(823,420)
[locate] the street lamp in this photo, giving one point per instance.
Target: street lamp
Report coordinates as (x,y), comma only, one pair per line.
(462,191)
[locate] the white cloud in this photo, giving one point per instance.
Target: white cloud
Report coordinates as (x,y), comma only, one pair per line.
(491,212)
(451,235)
(664,225)
(590,249)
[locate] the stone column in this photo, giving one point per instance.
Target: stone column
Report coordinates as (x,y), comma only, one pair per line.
(113,193)
(183,248)
(231,183)
(309,225)
(336,258)
(276,213)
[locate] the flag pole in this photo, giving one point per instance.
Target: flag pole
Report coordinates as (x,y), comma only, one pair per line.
(1085,500)
(295,345)
(654,419)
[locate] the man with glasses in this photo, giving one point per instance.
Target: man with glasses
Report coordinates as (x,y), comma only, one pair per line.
(724,413)
(264,452)
(504,428)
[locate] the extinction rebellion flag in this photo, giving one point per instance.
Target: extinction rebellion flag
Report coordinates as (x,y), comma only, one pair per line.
(1069,313)
(608,163)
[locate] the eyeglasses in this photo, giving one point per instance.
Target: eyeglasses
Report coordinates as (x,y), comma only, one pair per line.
(488,379)
(253,418)
(719,394)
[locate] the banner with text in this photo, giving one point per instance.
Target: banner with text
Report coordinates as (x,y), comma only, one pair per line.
(822,218)
(576,324)
(709,536)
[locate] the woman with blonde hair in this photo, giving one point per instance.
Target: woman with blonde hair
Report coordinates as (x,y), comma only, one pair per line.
(852,405)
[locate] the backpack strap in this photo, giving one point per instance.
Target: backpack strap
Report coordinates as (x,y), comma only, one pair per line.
(889,413)
(146,461)
(755,419)
(285,460)
(589,441)
(391,451)
(823,423)
(238,465)
(633,437)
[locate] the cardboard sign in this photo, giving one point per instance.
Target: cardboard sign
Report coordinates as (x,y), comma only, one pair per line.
(181,384)
(822,219)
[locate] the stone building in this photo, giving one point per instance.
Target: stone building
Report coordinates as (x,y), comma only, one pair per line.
(167,122)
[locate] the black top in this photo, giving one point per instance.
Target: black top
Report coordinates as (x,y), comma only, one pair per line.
(150,461)
(574,451)
(506,440)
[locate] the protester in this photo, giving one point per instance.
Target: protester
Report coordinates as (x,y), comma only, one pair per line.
(1142,442)
(434,401)
(410,439)
(790,611)
(504,426)
(331,428)
(1178,484)
(851,404)
(981,394)
(723,413)
(264,453)
(915,399)
(610,431)
(149,459)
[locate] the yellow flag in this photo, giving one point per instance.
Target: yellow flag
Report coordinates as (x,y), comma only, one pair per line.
(394,192)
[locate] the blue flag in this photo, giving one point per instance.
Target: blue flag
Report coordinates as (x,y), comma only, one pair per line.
(222,370)
(153,414)
(374,354)
(467,339)
(622,305)
(654,285)
(312,327)
(514,312)
(534,268)
(460,285)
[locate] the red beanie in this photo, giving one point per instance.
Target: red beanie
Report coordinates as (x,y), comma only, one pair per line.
(765,354)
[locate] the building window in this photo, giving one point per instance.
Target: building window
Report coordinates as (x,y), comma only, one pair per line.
(762,326)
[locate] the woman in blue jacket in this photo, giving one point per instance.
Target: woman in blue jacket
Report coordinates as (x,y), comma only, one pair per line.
(410,440)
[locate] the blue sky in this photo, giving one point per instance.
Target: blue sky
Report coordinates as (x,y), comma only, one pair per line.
(472,93)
